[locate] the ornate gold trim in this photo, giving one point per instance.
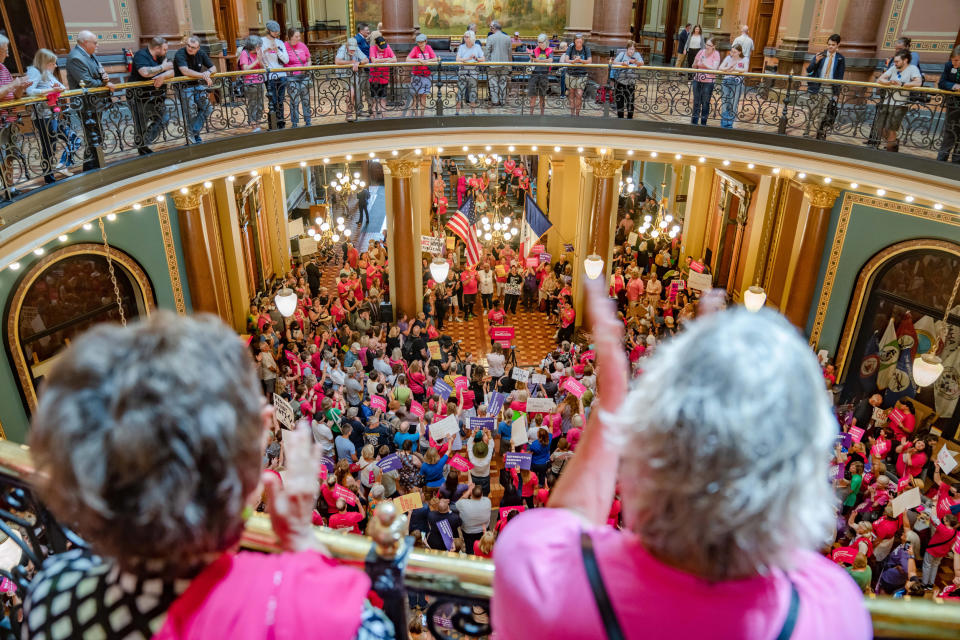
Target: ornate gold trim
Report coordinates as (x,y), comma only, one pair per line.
(766,237)
(190,199)
(170,251)
(820,197)
(13,317)
(865,281)
(401,168)
(604,167)
(836,249)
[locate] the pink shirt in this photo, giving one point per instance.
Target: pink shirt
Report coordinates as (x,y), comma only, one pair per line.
(540,546)
(299,56)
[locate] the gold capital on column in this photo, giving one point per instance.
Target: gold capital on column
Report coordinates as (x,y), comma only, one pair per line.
(823,197)
(604,167)
(190,199)
(401,168)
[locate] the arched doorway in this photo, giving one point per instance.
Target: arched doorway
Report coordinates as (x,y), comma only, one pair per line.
(62,296)
(903,291)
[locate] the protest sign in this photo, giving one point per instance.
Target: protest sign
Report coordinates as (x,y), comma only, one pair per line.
(460,383)
(459,463)
(532,261)
(540,405)
(904,482)
(538,378)
(502,336)
(283,410)
(442,389)
(446,532)
(431,244)
(696,266)
(536,249)
(416,408)
(518,431)
(433,347)
(632,239)
(520,375)
(700,281)
(378,403)
(517,460)
(481,423)
(495,403)
(442,428)
(391,462)
(905,501)
(328,463)
(856,433)
(567,247)
(342,492)
(574,387)
(545,258)
(946,460)
(408,502)
(896,416)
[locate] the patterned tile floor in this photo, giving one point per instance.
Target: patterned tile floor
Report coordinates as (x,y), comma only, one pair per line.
(534,336)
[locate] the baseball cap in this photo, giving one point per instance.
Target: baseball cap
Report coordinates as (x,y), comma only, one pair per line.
(421,37)
(516,33)
(542,37)
(351,43)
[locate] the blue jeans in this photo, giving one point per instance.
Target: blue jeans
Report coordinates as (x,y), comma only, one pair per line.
(198,108)
(732,89)
(298,90)
(276,88)
(701,102)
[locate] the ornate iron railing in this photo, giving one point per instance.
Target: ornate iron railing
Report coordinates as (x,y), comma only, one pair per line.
(454,590)
(43,138)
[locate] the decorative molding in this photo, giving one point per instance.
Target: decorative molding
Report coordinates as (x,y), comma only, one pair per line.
(21,365)
(769,220)
(892,32)
(821,197)
(604,168)
(865,282)
(191,199)
(401,168)
(836,249)
(170,251)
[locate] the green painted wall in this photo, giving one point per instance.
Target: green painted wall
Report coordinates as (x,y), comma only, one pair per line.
(869,230)
(656,172)
(292,184)
(137,233)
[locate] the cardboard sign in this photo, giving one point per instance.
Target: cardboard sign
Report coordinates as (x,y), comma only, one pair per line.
(844,555)
(443,428)
(500,270)
(378,403)
(416,409)
(409,502)
(495,403)
(700,281)
(536,249)
(545,258)
(481,423)
(459,463)
(574,387)
(856,433)
(520,375)
(391,462)
(442,389)
(540,405)
(696,266)
(632,238)
(518,431)
(283,410)
(946,461)
(538,378)
(905,501)
(517,460)
(460,383)
(567,247)
(342,492)
(502,335)
(433,347)
(431,244)
(532,261)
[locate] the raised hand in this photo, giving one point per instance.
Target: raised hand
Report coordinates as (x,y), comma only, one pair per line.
(291,502)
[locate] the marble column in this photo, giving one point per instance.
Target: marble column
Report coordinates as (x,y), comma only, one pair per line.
(859,29)
(200,239)
(403,246)
(603,211)
(579,17)
(813,238)
(611,24)
(398,20)
(796,20)
(165,19)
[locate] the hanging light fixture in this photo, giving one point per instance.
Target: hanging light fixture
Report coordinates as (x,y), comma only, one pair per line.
(593,265)
(659,222)
(286,301)
(928,367)
(754,298)
(439,269)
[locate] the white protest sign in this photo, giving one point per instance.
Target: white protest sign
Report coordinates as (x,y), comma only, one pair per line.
(520,375)
(308,246)
(443,428)
(431,244)
(538,378)
(283,411)
(946,460)
(632,239)
(906,500)
(699,281)
(518,431)
(540,405)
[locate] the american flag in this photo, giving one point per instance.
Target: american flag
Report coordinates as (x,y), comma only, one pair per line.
(461,224)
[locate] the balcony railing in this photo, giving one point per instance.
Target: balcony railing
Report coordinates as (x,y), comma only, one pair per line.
(454,589)
(43,138)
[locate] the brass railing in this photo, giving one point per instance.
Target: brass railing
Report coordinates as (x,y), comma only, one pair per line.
(89,128)
(460,579)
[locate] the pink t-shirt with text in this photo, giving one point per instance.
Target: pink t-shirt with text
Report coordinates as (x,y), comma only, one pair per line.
(541,591)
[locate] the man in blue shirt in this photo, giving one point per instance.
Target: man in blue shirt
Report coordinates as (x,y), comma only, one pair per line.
(404,433)
(345,448)
(363,38)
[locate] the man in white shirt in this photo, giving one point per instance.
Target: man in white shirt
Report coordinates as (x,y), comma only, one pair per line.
(275,57)
(474,509)
(894,107)
(746,43)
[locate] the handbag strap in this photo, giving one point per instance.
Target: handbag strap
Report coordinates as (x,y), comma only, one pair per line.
(786,630)
(610,623)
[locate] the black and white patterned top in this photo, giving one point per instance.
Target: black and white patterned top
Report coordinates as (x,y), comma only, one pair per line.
(77,594)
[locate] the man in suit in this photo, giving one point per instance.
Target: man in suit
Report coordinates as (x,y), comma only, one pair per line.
(313,278)
(498,49)
(363,197)
(682,38)
(83,66)
(828,64)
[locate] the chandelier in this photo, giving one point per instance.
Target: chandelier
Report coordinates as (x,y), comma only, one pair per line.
(324,232)
(345,182)
(627,186)
(484,159)
(656,224)
(497,227)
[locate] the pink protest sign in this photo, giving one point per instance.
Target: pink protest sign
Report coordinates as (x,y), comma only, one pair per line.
(896,416)
(459,463)
(905,482)
(502,335)
(460,383)
(588,355)
(844,554)
(7,586)
(574,387)
(696,266)
(880,449)
(532,261)
(378,403)
(536,249)
(504,511)
(342,492)
(857,433)
(416,408)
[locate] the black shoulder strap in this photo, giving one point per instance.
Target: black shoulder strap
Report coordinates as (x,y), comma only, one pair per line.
(610,623)
(794,609)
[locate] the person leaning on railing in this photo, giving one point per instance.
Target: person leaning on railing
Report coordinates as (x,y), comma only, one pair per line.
(625,80)
(707,58)
(298,82)
(50,124)
(193,62)
(722,452)
(148,440)
(250,58)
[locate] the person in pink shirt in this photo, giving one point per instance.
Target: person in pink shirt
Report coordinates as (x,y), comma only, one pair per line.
(911,458)
(716,541)
(298,87)
(707,58)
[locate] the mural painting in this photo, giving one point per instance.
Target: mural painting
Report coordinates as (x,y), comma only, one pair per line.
(451,17)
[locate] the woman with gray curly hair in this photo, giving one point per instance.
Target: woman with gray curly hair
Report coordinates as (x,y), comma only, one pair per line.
(722,449)
(148,441)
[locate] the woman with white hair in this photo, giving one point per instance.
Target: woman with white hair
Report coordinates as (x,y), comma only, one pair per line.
(468,54)
(722,451)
